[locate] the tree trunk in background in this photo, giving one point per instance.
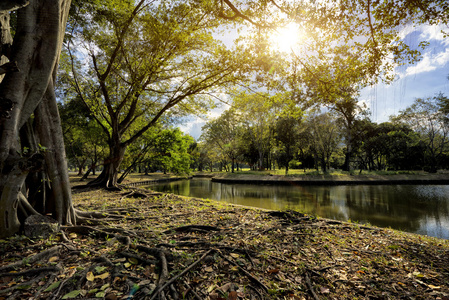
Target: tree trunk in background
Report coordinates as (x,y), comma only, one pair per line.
(348,153)
(109,176)
(35,49)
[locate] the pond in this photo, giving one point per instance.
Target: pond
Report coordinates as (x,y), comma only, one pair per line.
(422,209)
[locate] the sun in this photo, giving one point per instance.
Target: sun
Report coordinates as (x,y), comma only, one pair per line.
(286,38)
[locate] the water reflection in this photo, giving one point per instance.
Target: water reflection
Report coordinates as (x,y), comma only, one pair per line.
(413,208)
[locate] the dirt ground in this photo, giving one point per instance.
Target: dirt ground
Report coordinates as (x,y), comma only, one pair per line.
(140,244)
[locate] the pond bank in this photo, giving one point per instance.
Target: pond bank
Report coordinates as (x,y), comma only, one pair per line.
(440,179)
(155,180)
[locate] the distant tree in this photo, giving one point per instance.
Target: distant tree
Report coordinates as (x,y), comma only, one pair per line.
(426,118)
(223,133)
(386,146)
(248,148)
(348,110)
(258,115)
(84,139)
(325,137)
(202,158)
(169,152)
(287,133)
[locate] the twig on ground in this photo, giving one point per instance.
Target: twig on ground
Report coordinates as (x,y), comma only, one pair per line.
(173,279)
(309,285)
(245,272)
(191,290)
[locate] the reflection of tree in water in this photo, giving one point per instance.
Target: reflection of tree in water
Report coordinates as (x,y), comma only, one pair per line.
(400,207)
(406,207)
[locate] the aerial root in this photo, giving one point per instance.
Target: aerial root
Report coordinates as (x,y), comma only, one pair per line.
(25,206)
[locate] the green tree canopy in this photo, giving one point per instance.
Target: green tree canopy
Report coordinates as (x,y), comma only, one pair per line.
(147,61)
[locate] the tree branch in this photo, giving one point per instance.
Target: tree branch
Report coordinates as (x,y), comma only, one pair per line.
(10,5)
(372,28)
(8,67)
(237,14)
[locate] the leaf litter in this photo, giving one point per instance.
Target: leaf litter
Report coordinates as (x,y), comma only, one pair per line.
(171,247)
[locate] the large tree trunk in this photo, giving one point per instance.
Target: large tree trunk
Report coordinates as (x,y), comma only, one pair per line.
(35,48)
(108,177)
(49,132)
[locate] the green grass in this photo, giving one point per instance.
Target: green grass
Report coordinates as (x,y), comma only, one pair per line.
(314,172)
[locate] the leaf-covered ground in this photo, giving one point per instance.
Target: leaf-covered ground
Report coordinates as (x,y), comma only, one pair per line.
(148,245)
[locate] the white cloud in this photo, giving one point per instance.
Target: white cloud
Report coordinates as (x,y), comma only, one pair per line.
(193,127)
(425,65)
(433,32)
(429,63)
(365,103)
(406,31)
(442,58)
(426,33)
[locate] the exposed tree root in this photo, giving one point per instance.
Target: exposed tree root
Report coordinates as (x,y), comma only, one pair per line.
(87,230)
(24,284)
(96,215)
(31,260)
(31,272)
(135,194)
(249,275)
(193,228)
(173,279)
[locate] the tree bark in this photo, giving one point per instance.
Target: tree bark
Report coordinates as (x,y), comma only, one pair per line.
(49,131)
(109,176)
(35,49)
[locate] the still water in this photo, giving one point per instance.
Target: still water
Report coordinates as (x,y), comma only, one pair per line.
(422,209)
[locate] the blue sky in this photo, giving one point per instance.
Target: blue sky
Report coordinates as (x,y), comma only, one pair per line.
(424,79)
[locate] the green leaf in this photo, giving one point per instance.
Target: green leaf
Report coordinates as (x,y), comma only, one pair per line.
(22,287)
(100,294)
(53,286)
(133,260)
(72,294)
(100,270)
